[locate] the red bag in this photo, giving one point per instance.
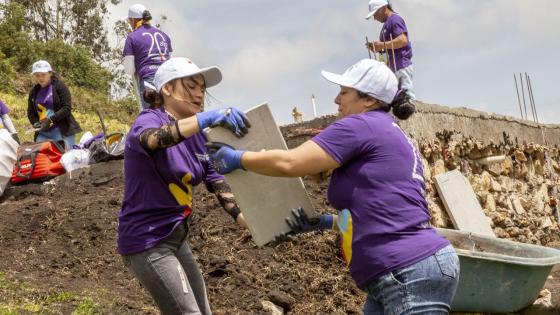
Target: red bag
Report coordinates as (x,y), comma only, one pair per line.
(38,162)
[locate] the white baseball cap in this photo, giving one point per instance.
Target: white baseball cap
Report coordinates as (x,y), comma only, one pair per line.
(41,66)
(368,76)
(178,67)
(136,11)
(375,5)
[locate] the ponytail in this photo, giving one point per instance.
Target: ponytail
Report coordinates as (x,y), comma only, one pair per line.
(154,98)
(402,105)
(146,17)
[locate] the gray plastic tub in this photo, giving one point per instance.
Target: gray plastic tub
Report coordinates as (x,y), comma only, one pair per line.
(497,275)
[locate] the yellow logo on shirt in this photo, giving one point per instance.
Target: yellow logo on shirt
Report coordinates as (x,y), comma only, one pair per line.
(345,227)
(184,198)
(42,111)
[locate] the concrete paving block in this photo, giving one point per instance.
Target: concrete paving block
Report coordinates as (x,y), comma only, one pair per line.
(264,201)
(461,203)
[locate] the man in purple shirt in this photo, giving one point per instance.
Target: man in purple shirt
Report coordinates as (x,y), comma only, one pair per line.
(395,41)
(145,49)
(378,188)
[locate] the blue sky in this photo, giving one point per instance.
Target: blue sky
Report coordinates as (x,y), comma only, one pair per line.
(465,52)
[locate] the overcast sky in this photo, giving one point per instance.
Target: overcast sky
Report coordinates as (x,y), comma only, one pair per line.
(465,52)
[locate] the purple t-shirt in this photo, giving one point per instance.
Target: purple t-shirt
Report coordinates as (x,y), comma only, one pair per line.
(395,26)
(44,102)
(3,109)
(159,185)
(150,48)
(379,193)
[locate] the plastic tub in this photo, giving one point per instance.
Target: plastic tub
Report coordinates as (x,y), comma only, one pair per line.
(497,275)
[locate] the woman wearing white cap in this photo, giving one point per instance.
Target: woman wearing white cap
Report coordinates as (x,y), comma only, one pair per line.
(49,107)
(145,49)
(165,159)
(377,186)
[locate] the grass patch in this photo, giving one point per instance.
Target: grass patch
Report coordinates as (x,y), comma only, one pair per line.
(118,115)
(17,297)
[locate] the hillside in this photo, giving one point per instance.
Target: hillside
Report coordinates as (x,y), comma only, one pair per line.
(118,115)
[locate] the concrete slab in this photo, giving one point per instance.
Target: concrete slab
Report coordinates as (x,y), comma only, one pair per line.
(461,203)
(264,201)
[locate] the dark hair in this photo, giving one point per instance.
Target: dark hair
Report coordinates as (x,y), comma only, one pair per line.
(146,16)
(402,104)
(154,98)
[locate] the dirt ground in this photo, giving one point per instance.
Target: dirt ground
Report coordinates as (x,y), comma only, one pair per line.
(57,249)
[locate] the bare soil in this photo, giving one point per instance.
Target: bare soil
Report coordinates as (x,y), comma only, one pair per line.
(62,238)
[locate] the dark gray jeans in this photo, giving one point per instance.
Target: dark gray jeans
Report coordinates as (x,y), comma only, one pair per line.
(170,273)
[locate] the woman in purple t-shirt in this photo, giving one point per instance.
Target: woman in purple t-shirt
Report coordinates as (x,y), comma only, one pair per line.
(164,160)
(145,49)
(378,188)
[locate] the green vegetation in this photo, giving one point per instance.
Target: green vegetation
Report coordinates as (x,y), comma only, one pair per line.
(76,59)
(17,297)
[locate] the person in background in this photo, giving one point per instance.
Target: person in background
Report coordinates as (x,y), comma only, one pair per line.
(378,188)
(165,159)
(6,121)
(395,41)
(145,49)
(49,107)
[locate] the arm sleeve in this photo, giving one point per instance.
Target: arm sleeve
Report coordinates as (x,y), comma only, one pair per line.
(65,102)
(146,120)
(8,123)
(344,139)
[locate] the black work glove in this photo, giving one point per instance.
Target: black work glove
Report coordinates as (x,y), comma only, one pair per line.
(43,126)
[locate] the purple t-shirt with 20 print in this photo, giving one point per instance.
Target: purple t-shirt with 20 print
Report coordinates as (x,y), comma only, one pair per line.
(379,193)
(396,26)
(150,47)
(158,188)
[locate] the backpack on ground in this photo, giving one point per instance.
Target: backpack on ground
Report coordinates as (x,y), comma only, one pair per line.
(38,162)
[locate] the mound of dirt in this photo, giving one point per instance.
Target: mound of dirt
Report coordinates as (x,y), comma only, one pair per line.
(61,236)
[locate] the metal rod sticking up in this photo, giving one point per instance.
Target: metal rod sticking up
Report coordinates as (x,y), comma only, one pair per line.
(518,97)
(523,93)
(529,96)
(530,84)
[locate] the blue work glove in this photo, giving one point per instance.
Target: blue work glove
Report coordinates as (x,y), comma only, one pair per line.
(231,118)
(225,158)
(301,223)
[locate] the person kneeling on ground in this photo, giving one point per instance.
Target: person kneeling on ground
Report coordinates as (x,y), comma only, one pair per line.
(6,121)
(165,159)
(377,186)
(49,107)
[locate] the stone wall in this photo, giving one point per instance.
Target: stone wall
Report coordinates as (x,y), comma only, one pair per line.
(516,177)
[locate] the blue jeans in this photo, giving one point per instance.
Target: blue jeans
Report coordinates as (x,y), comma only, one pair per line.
(426,287)
(404,76)
(55,135)
(141,89)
